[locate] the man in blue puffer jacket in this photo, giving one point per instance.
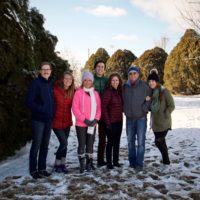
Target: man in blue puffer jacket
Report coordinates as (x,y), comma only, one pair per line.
(40,101)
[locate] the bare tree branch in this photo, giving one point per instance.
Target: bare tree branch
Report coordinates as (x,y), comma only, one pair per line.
(191,15)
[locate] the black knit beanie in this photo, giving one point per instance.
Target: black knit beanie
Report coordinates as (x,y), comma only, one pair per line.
(153,76)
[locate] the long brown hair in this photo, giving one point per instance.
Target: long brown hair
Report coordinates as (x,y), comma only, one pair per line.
(70,91)
(159,87)
(119,88)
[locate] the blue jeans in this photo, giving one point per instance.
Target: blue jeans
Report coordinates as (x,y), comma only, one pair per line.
(136,129)
(62,135)
(41,132)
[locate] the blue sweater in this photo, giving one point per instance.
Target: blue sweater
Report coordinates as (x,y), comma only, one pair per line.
(40,99)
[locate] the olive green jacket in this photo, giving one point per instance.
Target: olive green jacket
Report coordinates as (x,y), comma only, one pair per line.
(161,120)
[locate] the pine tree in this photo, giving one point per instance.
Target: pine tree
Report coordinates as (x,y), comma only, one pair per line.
(119,62)
(101,54)
(24,43)
(182,67)
(153,58)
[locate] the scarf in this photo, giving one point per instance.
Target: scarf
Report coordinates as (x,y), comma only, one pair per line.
(93,102)
(155,104)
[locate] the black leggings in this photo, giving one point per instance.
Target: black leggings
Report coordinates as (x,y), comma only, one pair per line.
(162,146)
(113,143)
(85,141)
(62,135)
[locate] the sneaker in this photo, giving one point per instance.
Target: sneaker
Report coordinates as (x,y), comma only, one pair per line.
(58,168)
(36,175)
(44,173)
(117,165)
(138,169)
(101,163)
(64,169)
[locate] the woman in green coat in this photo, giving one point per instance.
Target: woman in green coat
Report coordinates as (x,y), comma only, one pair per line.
(161,108)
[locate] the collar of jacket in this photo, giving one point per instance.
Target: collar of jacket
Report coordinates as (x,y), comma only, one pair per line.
(43,79)
(129,83)
(98,77)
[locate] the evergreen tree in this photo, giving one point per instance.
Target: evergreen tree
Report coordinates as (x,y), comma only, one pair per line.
(101,54)
(153,58)
(24,43)
(119,62)
(182,67)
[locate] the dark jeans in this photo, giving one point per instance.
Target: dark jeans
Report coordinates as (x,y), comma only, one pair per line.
(113,142)
(85,141)
(102,141)
(41,132)
(62,135)
(162,146)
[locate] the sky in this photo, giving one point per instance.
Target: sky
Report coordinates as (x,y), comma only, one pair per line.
(83,26)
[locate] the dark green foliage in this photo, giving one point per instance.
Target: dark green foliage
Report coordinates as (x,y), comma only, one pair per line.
(153,58)
(24,43)
(182,67)
(101,54)
(119,62)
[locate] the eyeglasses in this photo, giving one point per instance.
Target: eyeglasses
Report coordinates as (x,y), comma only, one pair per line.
(45,69)
(132,73)
(68,79)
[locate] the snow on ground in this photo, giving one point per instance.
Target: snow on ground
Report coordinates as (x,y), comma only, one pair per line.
(180,181)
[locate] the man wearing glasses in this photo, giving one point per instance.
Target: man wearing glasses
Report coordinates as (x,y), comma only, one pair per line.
(135,107)
(40,101)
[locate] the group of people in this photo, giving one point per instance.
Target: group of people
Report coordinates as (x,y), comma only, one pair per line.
(98,102)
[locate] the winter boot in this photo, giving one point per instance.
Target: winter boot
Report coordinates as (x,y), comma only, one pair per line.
(57,166)
(82,164)
(63,167)
(92,165)
(58,169)
(110,166)
(88,163)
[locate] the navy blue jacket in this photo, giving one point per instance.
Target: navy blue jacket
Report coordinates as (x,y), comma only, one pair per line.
(40,99)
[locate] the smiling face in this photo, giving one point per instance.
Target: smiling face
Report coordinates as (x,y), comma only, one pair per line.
(45,71)
(67,80)
(133,76)
(152,84)
(115,82)
(100,69)
(87,83)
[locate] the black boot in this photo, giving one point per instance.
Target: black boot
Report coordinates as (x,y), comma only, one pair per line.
(88,163)
(92,165)
(82,164)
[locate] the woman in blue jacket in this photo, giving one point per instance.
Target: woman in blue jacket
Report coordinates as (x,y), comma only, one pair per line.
(40,101)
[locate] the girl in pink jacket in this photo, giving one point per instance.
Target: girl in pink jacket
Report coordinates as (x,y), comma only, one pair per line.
(87,111)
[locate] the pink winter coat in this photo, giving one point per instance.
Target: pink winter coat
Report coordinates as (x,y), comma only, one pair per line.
(81,107)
